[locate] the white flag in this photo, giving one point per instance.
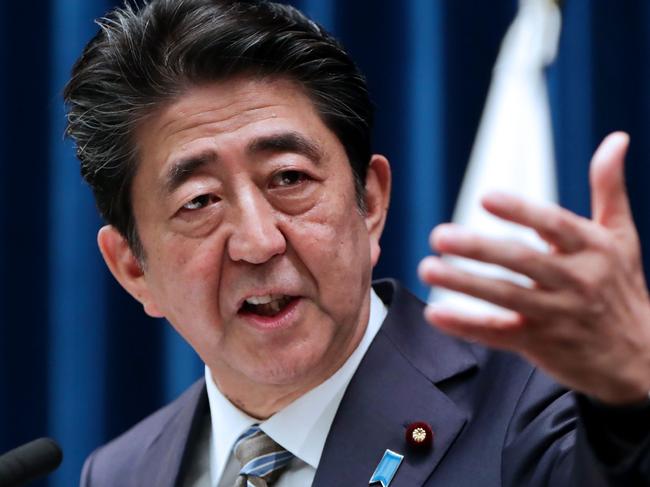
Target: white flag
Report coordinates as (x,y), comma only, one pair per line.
(513,151)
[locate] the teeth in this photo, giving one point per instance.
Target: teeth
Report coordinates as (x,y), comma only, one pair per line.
(269,298)
(267,305)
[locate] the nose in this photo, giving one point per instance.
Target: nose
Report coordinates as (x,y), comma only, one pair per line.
(256,237)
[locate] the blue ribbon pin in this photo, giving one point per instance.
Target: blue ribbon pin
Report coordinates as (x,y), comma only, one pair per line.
(386,468)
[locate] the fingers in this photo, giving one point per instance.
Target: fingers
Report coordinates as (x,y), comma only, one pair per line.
(610,204)
(588,314)
(542,268)
(533,303)
(566,231)
(503,331)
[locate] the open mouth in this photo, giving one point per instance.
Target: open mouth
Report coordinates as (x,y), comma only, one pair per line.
(269,305)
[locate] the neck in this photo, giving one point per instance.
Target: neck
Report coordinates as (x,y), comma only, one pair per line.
(265,403)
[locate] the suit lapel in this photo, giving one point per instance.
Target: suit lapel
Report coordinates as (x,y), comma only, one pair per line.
(163,463)
(395,385)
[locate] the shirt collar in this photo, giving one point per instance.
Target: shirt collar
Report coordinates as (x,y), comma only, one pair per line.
(314,411)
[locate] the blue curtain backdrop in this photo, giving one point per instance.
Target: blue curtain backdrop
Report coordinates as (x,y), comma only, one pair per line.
(78,359)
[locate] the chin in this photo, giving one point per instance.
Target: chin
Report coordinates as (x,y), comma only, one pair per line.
(285,371)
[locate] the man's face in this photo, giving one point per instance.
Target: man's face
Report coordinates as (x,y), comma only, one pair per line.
(255,249)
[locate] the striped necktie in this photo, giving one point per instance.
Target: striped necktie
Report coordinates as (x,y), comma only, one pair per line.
(262,459)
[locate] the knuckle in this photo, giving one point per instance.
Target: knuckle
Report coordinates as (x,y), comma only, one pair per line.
(589,273)
(510,296)
(573,275)
(608,246)
(603,242)
(591,299)
(558,223)
(589,290)
(523,254)
(523,259)
(594,307)
(559,303)
(506,300)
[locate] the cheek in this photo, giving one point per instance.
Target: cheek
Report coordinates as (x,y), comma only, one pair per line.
(336,250)
(185,271)
(349,236)
(187,289)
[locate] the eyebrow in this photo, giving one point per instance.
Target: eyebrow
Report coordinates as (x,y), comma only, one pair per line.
(183,169)
(287,142)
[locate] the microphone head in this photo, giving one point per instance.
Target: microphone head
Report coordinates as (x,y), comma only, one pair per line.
(29,461)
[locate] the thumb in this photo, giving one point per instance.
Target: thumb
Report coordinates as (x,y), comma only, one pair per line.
(609,203)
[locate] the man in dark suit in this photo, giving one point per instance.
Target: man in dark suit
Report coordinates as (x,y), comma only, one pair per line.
(228,147)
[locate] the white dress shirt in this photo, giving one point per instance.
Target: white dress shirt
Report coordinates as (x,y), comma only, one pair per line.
(301,427)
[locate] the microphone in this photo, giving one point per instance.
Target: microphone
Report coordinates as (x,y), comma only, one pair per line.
(29,461)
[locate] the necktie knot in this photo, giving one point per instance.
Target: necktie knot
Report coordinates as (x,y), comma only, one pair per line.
(261,458)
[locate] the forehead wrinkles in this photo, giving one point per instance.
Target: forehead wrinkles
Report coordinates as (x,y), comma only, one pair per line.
(204,112)
(224,106)
(221,119)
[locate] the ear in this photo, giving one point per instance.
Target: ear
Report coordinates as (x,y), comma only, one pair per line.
(125,267)
(377,198)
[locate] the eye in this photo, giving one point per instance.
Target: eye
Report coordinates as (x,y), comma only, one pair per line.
(200,201)
(288,178)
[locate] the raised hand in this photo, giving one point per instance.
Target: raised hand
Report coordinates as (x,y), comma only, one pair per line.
(586,319)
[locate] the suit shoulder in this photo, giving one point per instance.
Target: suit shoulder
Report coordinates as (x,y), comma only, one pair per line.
(117,462)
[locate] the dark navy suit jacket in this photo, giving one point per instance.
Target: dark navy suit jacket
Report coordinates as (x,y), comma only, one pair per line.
(497,421)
